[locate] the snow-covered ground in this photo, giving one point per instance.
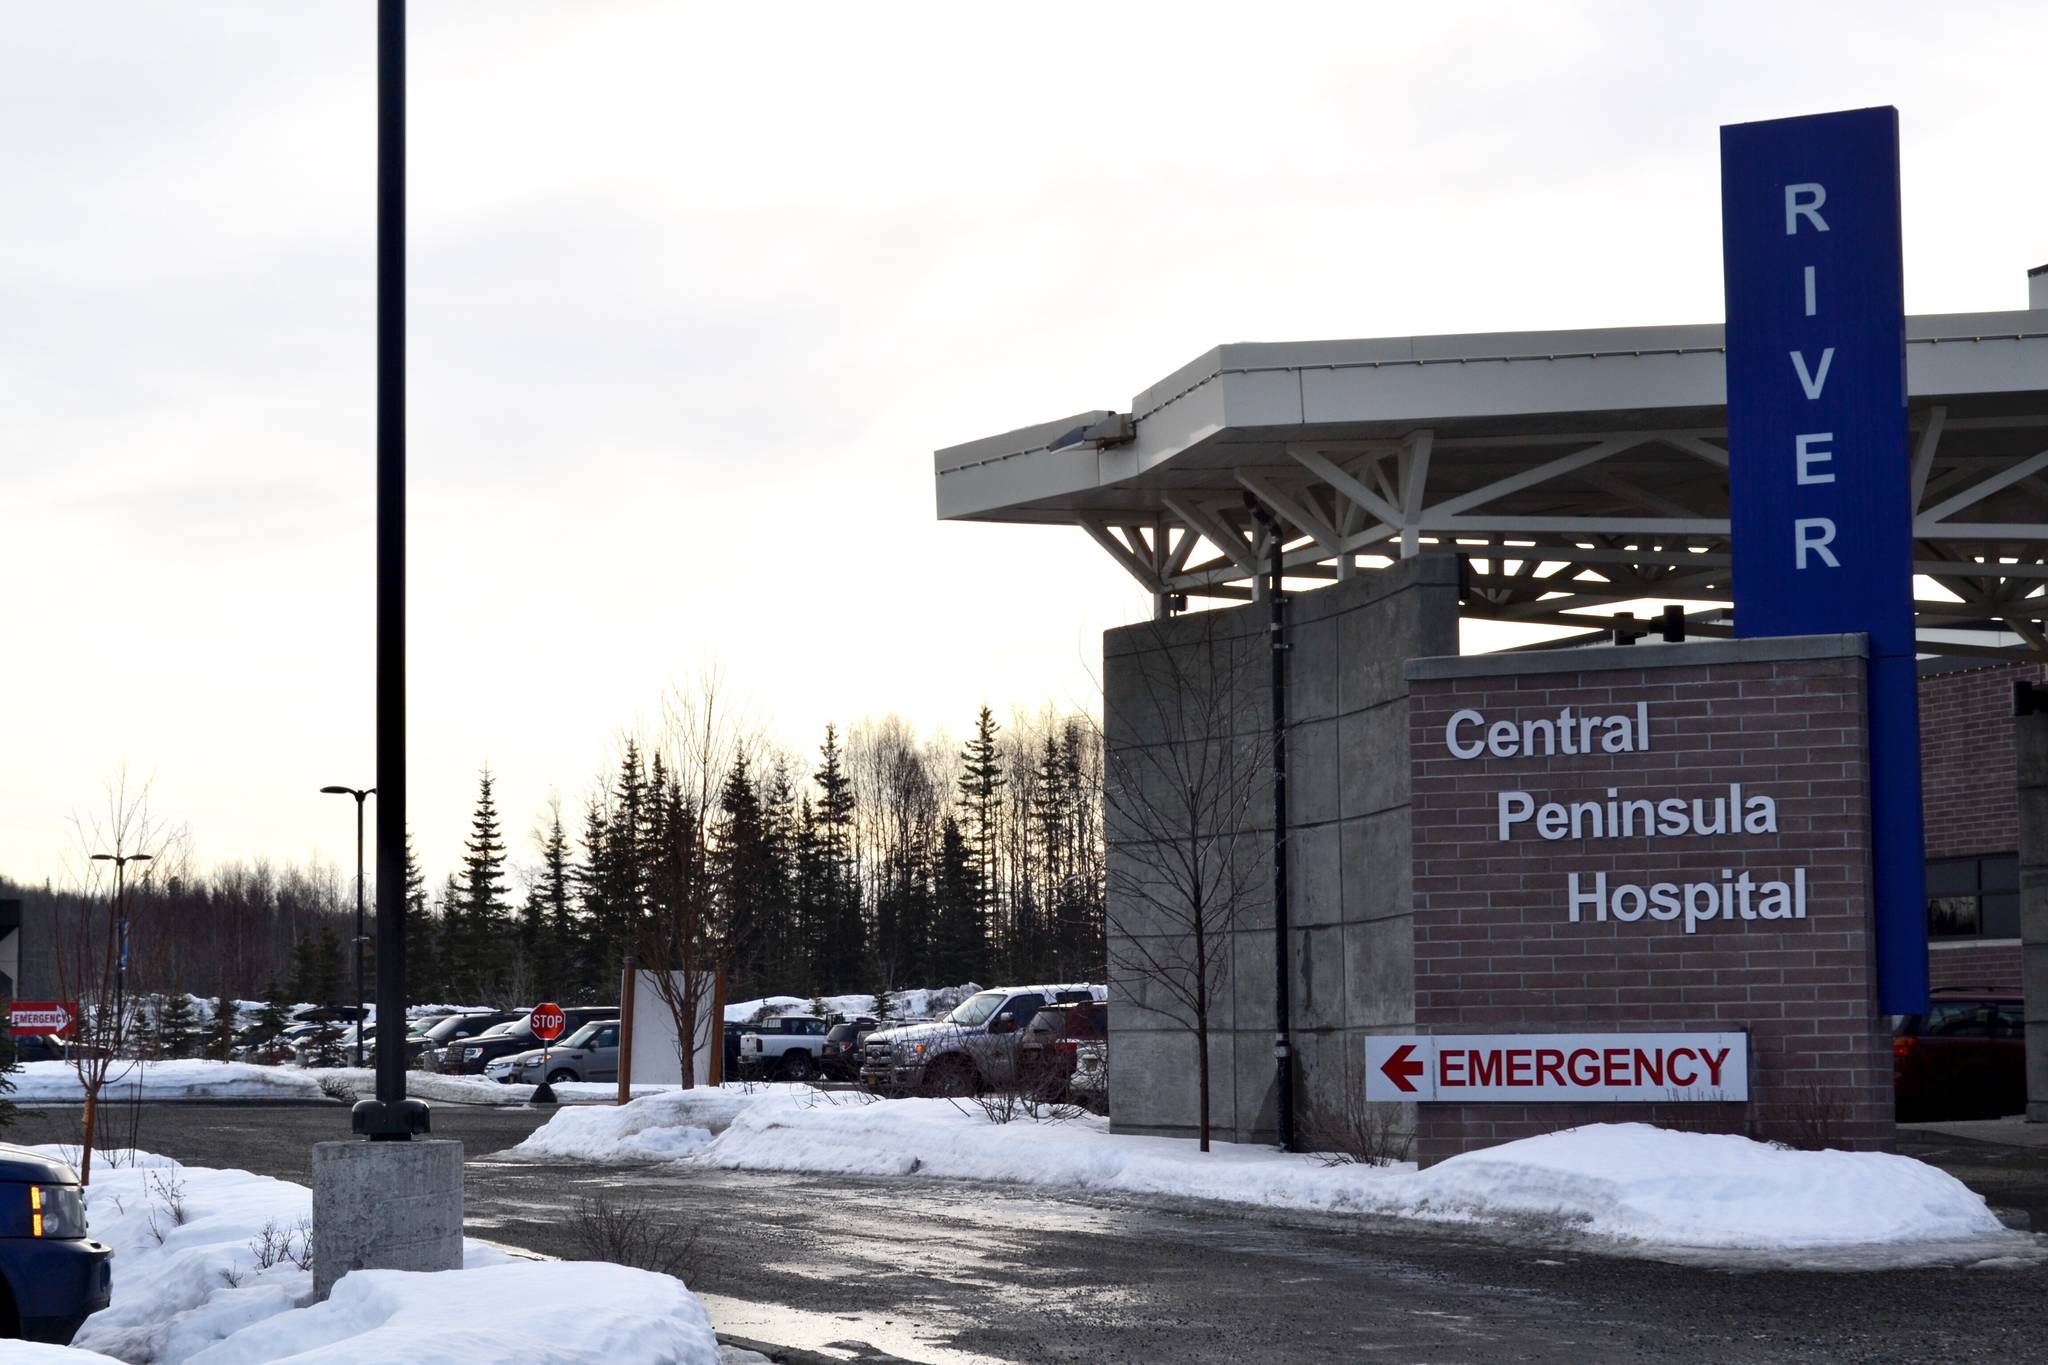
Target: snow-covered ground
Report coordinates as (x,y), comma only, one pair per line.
(193,1282)
(1627,1182)
(182,1079)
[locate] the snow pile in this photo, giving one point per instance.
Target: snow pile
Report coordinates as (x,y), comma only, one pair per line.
(1637,1182)
(191,1283)
(528,1312)
(920,1003)
(663,1127)
(35,1353)
(1629,1182)
(352,1083)
(181,1079)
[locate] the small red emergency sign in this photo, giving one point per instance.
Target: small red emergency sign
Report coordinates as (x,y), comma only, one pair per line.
(28,1018)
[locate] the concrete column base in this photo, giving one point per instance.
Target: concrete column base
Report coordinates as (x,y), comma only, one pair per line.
(385,1206)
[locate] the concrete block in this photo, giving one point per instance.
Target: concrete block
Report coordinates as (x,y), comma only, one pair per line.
(1379,967)
(1374,745)
(385,1206)
(1313,665)
(1252,980)
(1312,758)
(1378,871)
(1319,999)
(1254,1080)
(1315,882)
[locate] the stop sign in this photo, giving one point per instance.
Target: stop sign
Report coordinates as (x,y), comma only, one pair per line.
(547,1021)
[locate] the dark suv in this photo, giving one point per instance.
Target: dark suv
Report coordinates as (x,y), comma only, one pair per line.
(52,1277)
(1965,1058)
(839,1054)
(429,1049)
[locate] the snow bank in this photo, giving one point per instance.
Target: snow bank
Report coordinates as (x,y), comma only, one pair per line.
(183,1079)
(919,1003)
(528,1312)
(663,1127)
(35,1353)
(191,1285)
(1634,1181)
(1628,1182)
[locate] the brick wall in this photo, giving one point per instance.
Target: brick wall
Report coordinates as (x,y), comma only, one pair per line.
(1495,951)
(1992,966)
(1966,760)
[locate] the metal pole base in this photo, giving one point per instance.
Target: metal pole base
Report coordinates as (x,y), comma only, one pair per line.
(543,1094)
(398,1121)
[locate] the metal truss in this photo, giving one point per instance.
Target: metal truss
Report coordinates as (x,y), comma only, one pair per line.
(1554,525)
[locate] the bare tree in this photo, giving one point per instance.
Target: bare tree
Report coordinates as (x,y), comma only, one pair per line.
(1186,756)
(92,957)
(686,937)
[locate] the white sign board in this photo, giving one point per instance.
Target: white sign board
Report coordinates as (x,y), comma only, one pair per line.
(657,1044)
(1551,1068)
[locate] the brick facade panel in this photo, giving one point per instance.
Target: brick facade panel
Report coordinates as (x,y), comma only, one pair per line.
(1791,731)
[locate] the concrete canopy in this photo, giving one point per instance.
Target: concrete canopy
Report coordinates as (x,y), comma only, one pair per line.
(1573,469)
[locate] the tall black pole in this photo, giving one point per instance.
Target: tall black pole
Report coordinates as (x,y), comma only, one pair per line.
(1276,632)
(391,1117)
(359,927)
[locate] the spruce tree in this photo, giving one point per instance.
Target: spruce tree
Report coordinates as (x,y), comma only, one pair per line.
(484,911)
(843,964)
(743,874)
(555,928)
(595,944)
(981,785)
(276,1015)
(220,1034)
(959,949)
(327,975)
(425,973)
(173,1025)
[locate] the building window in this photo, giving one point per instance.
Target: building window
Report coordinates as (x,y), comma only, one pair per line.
(1974,897)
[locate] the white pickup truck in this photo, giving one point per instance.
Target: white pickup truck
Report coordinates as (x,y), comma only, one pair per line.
(787,1045)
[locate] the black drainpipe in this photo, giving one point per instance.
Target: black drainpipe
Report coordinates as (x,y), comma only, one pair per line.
(1276,630)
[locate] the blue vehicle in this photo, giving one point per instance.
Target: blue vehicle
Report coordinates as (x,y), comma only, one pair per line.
(52,1277)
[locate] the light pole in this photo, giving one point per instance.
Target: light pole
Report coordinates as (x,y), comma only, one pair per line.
(358,795)
(120,862)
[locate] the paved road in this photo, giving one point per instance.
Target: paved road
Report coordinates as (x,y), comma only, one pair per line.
(946,1272)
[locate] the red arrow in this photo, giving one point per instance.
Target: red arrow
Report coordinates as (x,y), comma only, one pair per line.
(1399,1069)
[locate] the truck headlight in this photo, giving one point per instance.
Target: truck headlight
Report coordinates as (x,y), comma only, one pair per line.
(56,1211)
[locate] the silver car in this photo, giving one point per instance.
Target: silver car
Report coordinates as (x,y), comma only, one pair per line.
(591,1053)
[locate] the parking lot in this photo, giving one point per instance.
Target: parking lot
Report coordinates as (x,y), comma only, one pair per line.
(873,1269)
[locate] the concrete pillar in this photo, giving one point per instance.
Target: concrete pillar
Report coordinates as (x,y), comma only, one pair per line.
(2030,752)
(385,1206)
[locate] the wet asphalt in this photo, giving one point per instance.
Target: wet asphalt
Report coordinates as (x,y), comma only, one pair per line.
(948,1272)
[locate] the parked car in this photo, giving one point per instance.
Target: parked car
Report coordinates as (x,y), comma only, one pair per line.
(1048,1046)
(429,1051)
(40,1047)
(839,1056)
(591,1053)
(973,1048)
(52,1276)
(471,1057)
(787,1045)
(1965,1058)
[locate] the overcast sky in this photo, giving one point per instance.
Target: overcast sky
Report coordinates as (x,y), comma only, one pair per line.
(697,290)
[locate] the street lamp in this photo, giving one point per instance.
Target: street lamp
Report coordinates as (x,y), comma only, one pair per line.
(358,795)
(120,862)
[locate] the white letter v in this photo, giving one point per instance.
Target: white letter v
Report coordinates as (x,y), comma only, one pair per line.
(1813,383)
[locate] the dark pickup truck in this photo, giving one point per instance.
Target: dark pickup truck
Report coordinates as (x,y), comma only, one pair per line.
(52,1277)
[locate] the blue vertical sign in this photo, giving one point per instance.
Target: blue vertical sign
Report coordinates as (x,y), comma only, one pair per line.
(1817,467)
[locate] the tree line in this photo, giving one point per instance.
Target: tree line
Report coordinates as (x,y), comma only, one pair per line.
(879,860)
